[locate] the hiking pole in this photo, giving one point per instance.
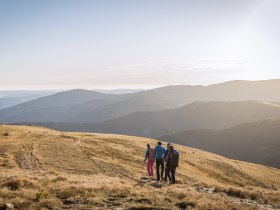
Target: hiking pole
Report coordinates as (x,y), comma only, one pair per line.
(142,171)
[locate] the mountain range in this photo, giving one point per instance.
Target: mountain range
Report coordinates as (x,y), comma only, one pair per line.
(82,106)
(197,115)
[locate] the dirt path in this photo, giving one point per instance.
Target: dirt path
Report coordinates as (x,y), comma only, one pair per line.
(26,158)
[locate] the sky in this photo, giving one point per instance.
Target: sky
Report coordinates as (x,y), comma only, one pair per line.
(136,44)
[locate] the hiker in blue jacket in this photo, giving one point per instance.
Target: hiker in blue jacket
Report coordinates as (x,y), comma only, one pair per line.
(159,158)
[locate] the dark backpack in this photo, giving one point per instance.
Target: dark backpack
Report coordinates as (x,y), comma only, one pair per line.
(174,158)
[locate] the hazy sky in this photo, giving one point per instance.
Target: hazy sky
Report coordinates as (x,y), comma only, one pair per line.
(136,43)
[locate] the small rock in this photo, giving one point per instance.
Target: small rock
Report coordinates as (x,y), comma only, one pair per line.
(208,190)
(156,185)
(8,206)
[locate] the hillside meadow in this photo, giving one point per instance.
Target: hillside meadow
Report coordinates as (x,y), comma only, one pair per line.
(48,169)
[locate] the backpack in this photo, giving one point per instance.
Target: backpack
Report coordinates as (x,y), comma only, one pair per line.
(151,153)
(174,159)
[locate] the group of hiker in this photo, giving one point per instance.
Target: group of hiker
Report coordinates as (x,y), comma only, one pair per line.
(167,160)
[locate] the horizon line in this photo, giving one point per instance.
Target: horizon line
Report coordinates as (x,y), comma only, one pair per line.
(119,87)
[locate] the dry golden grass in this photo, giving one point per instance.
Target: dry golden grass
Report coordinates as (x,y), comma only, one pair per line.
(48,169)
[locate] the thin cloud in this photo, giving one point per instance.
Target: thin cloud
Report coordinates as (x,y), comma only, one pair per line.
(208,65)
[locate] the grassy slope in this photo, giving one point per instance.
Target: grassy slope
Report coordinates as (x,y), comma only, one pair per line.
(42,168)
(256,142)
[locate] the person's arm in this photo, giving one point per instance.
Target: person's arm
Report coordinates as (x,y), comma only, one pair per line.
(155,151)
(163,149)
(179,160)
(165,155)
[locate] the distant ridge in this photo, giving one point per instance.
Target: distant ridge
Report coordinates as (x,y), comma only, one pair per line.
(56,103)
(13,97)
(118,91)
(83,106)
(197,115)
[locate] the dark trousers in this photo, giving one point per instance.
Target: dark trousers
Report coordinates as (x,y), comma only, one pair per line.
(167,173)
(170,170)
(159,163)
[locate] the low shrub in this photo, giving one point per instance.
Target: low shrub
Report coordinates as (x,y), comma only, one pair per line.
(42,194)
(16,184)
(185,205)
(6,134)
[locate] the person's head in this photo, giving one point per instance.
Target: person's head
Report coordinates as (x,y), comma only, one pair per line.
(168,145)
(159,143)
(171,147)
(148,145)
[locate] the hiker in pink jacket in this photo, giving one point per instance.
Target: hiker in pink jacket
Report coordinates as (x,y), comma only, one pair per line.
(150,157)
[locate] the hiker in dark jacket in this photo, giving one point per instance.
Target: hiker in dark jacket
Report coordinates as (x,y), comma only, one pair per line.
(172,162)
(159,157)
(167,171)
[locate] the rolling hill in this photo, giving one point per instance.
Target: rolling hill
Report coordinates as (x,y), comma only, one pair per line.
(256,142)
(198,115)
(126,105)
(82,106)
(239,90)
(56,107)
(14,97)
(48,169)
(176,96)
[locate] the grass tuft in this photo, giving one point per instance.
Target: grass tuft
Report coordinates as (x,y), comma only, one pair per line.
(16,184)
(185,205)
(42,194)
(6,134)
